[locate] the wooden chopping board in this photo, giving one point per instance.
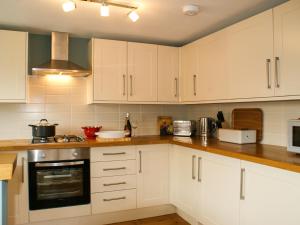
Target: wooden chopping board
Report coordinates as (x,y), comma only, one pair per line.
(248,118)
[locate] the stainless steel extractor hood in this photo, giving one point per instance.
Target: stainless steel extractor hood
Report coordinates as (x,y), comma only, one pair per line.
(59,63)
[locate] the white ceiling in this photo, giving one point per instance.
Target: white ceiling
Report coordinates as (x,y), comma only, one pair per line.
(161,21)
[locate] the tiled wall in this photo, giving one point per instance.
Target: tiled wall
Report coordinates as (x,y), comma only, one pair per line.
(276,115)
(63,101)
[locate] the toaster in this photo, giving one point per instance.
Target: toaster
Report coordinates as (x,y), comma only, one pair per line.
(185,128)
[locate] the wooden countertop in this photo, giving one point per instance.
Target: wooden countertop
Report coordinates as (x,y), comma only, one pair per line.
(8,163)
(269,155)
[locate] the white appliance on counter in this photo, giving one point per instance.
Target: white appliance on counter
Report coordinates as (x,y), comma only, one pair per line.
(237,136)
(293,144)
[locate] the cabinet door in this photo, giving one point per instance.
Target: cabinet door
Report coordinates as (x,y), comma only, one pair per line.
(189,74)
(287,48)
(110,70)
(13,66)
(249,58)
(184,185)
(212,67)
(142,72)
(220,190)
(18,203)
(168,71)
(271,196)
(153,175)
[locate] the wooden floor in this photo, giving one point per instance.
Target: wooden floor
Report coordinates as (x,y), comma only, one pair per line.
(172,219)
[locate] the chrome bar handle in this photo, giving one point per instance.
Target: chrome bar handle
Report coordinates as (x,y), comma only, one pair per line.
(194,79)
(23,170)
(277,72)
(113,184)
(176,87)
(242,185)
(113,199)
(193,167)
(140,158)
(268,63)
(124,85)
(116,153)
(118,168)
(199,169)
(131,92)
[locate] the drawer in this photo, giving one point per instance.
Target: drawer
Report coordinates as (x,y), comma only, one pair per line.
(114,168)
(115,183)
(113,201)
(113,153)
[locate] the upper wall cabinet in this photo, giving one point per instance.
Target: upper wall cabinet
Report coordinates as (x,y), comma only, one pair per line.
(13,66)
(250,52)
(109,63)
(168,74)
(142,72)
(189,79)
(287,48)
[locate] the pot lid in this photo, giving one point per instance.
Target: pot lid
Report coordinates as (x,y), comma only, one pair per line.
(43,122)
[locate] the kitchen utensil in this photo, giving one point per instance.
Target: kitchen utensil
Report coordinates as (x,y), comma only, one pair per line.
(111,134)
(43,129)
(237,136)
(220,120)
(248,118)
(184,128)
(207,127)
(90,132)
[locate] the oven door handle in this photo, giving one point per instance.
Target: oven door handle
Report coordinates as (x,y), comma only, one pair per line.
(57,164)
(57,176)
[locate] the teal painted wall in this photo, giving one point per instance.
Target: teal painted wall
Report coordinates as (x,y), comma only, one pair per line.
(3,202)
(39,50)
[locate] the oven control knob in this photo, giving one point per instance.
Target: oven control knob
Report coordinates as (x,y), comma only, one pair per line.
(75,154)
(43,155)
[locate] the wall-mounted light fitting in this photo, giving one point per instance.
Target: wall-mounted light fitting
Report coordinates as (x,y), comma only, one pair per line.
(70,5)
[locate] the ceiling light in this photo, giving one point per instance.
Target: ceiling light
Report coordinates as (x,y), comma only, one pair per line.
(104,10)
(133,16)
(69,6)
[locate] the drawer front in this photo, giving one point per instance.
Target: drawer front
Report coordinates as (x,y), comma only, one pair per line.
(113,153)
(114,168)
(113,201)
(115,183)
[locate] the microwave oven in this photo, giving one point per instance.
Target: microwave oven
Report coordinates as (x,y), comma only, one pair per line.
(293,144)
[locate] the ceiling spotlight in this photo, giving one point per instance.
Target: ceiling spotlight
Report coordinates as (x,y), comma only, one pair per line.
(104,10)
(190,10)
(134,16)
(69,6)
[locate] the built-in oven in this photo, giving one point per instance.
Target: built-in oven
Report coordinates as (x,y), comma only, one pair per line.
(58,178)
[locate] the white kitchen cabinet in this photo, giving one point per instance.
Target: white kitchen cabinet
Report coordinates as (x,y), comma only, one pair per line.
(168,74)
(287,48)
(13,66)
(142,72)
(18,203)
(250,57)
(189,73)
(109,63)
(185,179)
(153,175)
(271,196)
(220,190)
(212,67)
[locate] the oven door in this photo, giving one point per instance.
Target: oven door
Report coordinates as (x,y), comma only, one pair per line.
(58,184)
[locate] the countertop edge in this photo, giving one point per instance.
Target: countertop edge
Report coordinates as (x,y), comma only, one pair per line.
(8,163)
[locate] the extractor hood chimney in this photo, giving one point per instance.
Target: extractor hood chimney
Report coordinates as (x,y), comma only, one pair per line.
(60,64)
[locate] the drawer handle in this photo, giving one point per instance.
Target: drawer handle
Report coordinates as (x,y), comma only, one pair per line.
(113,199)
(119,168)
(117,153)
(113,184)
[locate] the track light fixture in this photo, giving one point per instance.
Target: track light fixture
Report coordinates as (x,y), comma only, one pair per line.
(70,5)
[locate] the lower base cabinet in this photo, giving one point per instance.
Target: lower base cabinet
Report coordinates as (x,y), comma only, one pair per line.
(220,190)
(152,175)
(113,201)
(271,196)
